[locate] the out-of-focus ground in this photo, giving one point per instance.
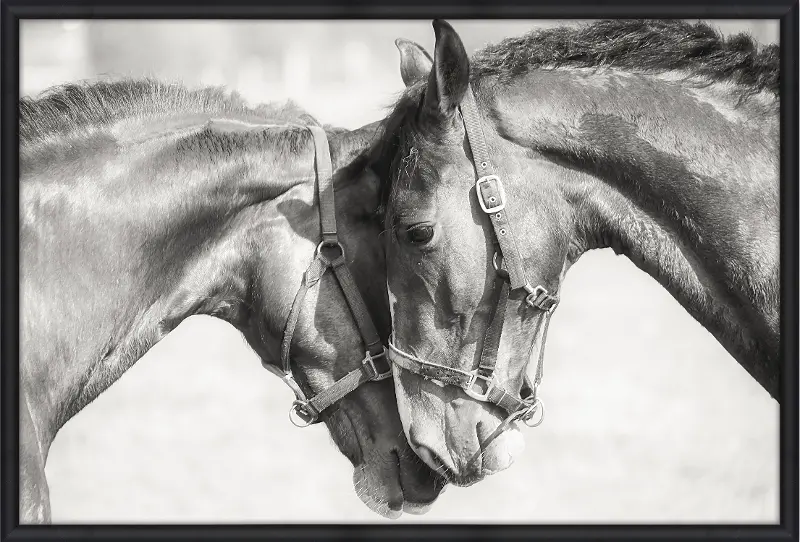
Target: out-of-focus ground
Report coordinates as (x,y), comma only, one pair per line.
(648,418)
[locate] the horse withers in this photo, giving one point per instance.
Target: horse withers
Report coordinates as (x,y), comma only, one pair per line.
(656,138)
(142,204)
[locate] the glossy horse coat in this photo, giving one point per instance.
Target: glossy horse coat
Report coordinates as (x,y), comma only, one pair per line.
(658,139)
(142,204)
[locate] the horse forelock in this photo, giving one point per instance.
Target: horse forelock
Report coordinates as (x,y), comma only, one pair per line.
(395,157)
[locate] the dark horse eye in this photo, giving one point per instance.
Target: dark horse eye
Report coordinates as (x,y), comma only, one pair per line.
(420,235)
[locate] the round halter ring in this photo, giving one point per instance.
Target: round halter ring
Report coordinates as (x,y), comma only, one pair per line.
(496,264)
(323,245)
(531,419)
(298,416)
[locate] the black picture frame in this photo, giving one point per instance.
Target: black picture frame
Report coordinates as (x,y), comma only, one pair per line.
(12,11)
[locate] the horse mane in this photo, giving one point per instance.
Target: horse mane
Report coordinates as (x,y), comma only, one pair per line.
(65,108)
(644,45)
(641,45)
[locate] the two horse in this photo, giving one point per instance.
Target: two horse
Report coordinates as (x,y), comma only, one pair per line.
(656,138)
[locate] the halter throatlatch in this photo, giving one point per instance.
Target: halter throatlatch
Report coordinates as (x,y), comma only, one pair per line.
(330,255)
(481,383)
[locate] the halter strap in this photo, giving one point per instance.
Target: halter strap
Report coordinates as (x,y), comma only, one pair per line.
(492,199)
(329,255)
(481,383)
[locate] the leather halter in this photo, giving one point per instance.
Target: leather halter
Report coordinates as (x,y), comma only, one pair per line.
(481,383)
(329,255)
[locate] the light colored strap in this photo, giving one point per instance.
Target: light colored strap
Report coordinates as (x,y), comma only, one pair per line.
(327,202)
(427,369)
(456,377)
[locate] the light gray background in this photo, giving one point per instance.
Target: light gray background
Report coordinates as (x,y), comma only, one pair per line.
(648,418)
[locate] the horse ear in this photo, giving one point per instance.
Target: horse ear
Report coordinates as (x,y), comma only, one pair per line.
(415,62)
(449,78)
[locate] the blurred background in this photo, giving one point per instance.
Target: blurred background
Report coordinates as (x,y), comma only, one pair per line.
(648,418)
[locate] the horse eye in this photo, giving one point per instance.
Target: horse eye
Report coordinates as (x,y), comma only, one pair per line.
(420,235)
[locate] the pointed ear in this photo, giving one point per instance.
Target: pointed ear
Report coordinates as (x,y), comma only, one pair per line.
(448,81)
(415,62)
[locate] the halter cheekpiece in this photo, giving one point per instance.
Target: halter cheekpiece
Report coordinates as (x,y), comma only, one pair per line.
(329,254)
(481,383)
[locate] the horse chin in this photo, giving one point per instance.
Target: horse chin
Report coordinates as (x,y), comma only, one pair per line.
(392,483)
(382,495)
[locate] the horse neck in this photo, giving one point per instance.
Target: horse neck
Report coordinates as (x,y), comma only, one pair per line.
(252,272)
(254,289)
(140,231)
(679,179)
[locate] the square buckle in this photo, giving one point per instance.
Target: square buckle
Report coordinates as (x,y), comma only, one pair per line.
(470,389)
(549,303)
(369,363)
(492,208)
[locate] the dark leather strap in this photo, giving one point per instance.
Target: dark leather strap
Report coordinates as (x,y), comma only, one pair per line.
(481,384)
(311,277)
(492,198)
(491,341)
(358,309)
(330,255)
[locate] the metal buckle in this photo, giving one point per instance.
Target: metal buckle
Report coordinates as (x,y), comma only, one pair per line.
(470,389)
(502,192)
(300,414)
(369,363)
(534,293)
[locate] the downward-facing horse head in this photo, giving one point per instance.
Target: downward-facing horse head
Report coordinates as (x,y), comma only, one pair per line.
(656,138)
(143,204)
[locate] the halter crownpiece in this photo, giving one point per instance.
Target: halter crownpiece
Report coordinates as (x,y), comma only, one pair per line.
(329,254)
(481,383)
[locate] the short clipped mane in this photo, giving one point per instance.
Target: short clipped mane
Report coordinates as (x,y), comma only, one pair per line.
(646,46)
(643,45)
(69,107)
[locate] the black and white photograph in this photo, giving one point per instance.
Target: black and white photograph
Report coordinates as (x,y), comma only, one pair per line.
(398,271)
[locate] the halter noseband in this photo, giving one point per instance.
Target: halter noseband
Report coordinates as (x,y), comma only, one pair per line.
(329,255)
(481,383)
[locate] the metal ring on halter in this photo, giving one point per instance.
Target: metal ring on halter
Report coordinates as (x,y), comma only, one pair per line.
(323,244)
(537,406)
(502,272)
(298,410)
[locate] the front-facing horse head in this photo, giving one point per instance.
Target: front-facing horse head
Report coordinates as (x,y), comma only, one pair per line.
(143,204)
(655,138)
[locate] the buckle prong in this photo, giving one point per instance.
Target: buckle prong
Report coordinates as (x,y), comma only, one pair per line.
(489,209)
